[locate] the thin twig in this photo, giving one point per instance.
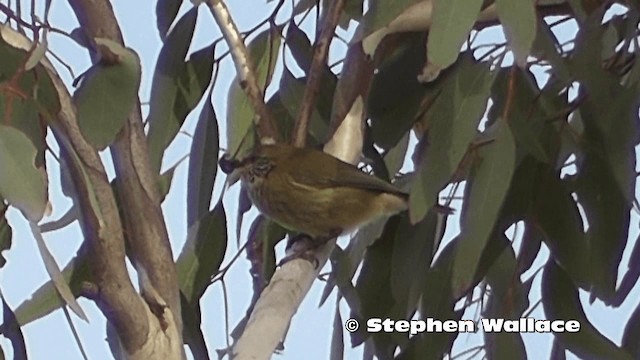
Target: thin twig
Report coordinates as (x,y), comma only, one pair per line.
(75,332)
(246,74)
(320,53)
(225,295)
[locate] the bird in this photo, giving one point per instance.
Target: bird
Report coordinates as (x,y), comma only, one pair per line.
(313,193)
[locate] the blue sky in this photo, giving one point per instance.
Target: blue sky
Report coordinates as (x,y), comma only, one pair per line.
(310,332)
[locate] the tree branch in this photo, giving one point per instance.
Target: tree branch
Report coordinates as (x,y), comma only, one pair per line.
(267,129)
(136,183)
(99,220)
(320,53)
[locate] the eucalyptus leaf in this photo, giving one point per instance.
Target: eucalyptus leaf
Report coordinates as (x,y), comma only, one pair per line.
(453,123)
(488,188)
(202,254)
(6,233)
(21,183)
(519,20)
(166,12)
(452,21)
(12,331)
(56,275)
(166,115)
(45,299)
(561,301)
(202,167)
(107,94)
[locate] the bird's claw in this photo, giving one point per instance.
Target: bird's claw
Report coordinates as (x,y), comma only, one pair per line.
(301,246)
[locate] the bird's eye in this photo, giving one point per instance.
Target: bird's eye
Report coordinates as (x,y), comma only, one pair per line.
(261,166)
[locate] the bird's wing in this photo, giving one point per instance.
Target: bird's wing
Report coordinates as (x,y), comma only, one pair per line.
(345,174)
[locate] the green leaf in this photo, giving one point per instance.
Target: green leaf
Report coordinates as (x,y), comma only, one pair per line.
(396,99)
(374,290)
(45,299)
(519,20)
(608,216)
(202,254)
(107,94)
(546,46)
(558,352)
(380,14)
(166,112)
(527,115)
(394,158)
(631,275)
(507,300)
(607,178)
(69,159)
(166,12)
(300,47)
(203,164)
(348,261)
(487,189)
(530,248)
(291,93)
(38,53)
(452,21)
(556,214)
(193,336)
(263,53)
(302,52)
(337,337)
(56,275)
(437,303)
(454,119)
(561,301)
(165,181)
(413,251)
(632,334)
(6,232)
(36,89)
(21,183)
(11,330)
(264,235)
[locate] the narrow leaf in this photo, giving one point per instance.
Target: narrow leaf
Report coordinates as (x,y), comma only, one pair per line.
(519,20)
(452,21)
(56,275)
(45,299)
(11,330)
(166,12)
(165,115)
(337,337)
(488,188)
(6,232)
(107,94)
(561,301)
(454,119)
(632,333)
(202,163)
(380,14)
(202,254)
(21,183)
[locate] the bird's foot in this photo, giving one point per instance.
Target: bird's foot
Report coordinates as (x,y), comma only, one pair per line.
(301,246)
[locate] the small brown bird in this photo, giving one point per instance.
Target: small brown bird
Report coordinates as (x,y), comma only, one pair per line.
(311,192)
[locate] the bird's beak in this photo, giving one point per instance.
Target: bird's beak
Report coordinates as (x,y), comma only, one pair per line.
(233,177)
(231,167)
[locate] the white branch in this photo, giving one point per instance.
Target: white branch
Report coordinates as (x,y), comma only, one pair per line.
(290,283)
